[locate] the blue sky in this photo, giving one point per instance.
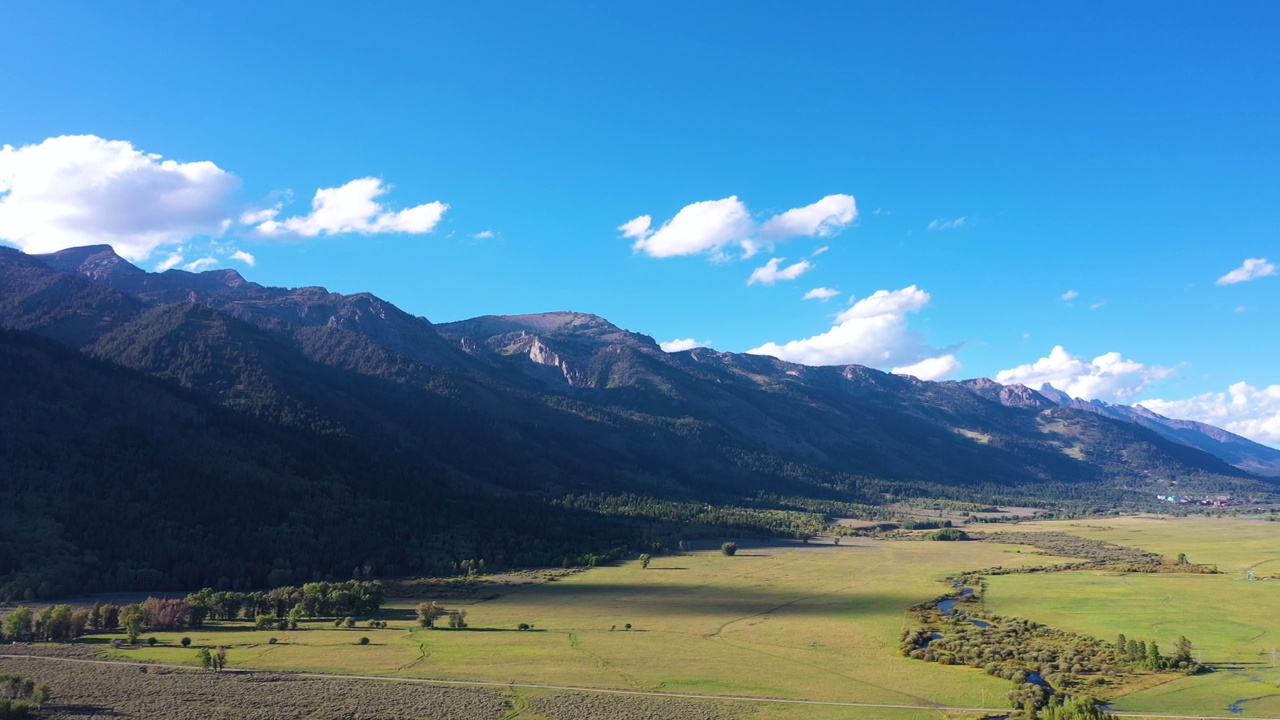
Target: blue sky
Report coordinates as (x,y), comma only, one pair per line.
(1090,174)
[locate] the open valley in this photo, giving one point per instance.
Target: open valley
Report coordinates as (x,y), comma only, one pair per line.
(816,622)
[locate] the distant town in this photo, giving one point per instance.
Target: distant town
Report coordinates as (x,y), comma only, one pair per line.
(1217,501)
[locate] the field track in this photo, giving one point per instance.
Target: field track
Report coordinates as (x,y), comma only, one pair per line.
(603,691)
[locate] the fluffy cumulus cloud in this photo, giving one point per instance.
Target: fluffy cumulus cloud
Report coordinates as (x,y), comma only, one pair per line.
(1242,409)
(683,344)
(715,227)
(824,218)
(83,190)
(821,293)
(1250,269)
(244,257)
(772,271)
(1108,377)
(932,368)
(873,331)
(352,208)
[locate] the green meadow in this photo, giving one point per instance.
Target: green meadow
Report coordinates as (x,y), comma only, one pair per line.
(1233,622)
(812,622)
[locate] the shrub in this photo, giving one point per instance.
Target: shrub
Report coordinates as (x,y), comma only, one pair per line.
(730,548)
(272,641)
(364,641)
(186,642)
(151,641)
(946,534)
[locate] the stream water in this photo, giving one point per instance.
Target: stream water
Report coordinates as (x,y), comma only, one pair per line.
(948,607)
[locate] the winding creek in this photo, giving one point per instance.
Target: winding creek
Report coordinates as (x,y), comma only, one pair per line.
(948,607)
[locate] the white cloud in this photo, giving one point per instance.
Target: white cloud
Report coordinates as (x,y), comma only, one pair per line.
(1107,377)
(886,302)
(874,332)
(679,344)
(1243,409)
(769,273)
(1070,295)
(819,251)
(934,368)
(483,235)
(1251,269)
(354,207)
(637,228)
(256,217)
(173,260)
(714,227)
(824,218)
(821,293)
(706,226)
(83,190)
(200,265)
(944,224)
(244,257)
(1097,305)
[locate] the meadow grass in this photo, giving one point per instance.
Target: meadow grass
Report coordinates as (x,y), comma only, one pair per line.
(1233,622)
(816,622)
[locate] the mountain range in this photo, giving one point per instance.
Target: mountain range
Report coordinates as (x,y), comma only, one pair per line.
(175,429)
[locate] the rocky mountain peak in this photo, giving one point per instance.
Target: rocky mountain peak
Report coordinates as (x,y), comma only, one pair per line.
(96,262)
(577,327)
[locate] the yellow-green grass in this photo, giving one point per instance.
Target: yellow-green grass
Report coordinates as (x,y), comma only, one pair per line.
(1229,618)
(816,622)
(1233,544)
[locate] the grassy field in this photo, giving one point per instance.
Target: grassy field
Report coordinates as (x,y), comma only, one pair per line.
(815,622)
(1234,623)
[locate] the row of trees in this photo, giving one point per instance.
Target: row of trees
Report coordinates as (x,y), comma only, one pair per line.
(56,623)
(316,599)
(1147,656)
(60,623)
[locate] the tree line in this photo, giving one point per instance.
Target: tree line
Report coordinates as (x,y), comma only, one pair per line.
(288,604)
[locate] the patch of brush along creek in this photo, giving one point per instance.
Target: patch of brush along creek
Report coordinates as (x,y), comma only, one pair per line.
(954,608)
(955,631)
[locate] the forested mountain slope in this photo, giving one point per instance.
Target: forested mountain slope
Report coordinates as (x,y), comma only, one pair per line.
(218,431)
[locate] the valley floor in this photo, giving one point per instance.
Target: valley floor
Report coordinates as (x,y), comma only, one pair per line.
(817,622)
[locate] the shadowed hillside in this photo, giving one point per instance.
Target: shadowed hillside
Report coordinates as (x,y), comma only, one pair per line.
(329,432)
